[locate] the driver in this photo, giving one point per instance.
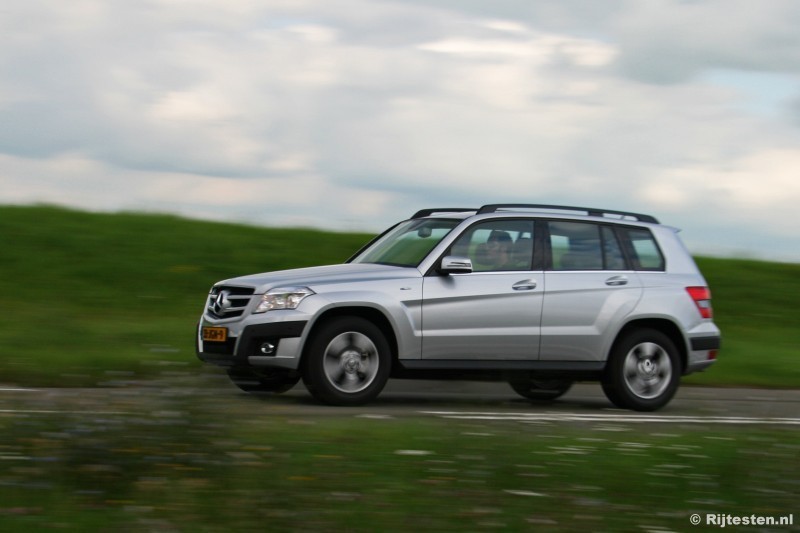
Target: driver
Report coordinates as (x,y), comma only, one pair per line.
(498,249)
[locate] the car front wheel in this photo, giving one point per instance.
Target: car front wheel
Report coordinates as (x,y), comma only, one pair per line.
(347,362)
(643,371)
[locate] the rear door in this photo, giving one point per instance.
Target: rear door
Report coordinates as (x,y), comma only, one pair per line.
(590,289)
(494,312)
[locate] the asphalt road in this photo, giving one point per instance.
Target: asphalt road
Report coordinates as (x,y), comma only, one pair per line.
(584,400)
(448,399)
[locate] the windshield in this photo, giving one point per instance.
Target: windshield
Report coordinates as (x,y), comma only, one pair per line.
(408,243)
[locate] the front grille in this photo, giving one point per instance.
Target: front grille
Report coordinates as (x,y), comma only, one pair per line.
(228,302)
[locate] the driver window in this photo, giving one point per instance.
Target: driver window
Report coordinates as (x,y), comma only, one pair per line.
(499,245)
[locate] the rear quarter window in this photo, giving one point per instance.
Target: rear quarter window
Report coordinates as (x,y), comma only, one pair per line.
(643,250)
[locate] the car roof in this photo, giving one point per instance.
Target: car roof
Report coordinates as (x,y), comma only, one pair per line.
(537,209)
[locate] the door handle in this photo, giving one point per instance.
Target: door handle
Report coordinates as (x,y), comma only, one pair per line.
(616,281)
(524,285)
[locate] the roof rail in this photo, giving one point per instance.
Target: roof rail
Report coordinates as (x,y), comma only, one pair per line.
(428,212)
(591,211)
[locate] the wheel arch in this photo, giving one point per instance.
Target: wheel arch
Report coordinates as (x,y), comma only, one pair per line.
(371,314)
(665,326)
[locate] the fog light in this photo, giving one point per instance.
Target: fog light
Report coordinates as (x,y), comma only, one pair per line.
(267,348)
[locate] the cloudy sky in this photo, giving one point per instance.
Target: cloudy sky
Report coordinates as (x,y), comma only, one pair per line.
(352,114)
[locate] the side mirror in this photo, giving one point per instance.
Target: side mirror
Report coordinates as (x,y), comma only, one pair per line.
(453,264)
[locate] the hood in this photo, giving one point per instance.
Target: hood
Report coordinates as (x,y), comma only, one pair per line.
(321,275)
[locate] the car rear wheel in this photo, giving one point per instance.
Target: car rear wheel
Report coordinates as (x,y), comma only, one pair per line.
(347,362)
(266,380)
(540,389)
(643,372)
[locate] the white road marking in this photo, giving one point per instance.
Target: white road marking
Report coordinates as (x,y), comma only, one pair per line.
(589,417)
(525,493)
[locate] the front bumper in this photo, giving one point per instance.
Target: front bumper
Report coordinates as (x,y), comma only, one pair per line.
(243,345)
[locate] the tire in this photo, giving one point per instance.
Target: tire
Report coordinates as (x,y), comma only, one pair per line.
(643,371)
(347,362)
(254,381)
(540,389)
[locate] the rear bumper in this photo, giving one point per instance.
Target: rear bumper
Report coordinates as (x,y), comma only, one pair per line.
(703,352)
(713,342)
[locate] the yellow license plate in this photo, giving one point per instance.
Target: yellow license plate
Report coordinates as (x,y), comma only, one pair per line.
(215,334)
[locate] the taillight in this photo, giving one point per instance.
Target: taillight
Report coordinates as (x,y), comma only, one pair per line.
(702,299)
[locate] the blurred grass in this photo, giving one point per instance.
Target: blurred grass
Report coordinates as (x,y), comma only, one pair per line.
(162,458)
(87,293)
(755,306)
(88,296)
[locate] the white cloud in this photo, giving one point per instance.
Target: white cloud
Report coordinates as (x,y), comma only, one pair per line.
(760,184)
(536,48)
(670,41)
(78,181)
(360,112)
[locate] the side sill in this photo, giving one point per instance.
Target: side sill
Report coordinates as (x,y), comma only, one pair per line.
(466,364)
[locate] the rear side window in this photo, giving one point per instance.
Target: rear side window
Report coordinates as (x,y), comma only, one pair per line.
(643,250)
(576,246)
(585,246)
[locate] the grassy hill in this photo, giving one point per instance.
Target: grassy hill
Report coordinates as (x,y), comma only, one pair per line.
(90,298)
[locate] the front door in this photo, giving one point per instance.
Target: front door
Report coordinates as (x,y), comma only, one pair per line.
(493,313)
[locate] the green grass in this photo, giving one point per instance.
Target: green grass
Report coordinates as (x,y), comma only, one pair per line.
(87,296)
(755,306)
(88,293)
(161,459)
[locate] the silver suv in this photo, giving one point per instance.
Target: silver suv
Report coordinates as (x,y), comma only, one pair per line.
(536,295)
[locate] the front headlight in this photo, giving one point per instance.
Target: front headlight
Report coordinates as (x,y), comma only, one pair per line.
(283,298)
